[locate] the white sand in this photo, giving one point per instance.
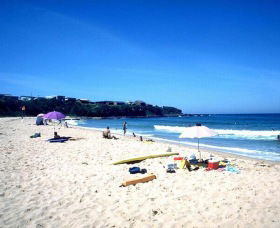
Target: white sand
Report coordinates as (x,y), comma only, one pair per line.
(73,184)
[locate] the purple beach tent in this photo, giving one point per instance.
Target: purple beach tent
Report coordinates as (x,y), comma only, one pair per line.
(54,116)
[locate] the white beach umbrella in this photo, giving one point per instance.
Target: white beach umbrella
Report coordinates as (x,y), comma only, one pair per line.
(198,132)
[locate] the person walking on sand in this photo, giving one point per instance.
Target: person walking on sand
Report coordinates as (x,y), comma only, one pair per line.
(124,127)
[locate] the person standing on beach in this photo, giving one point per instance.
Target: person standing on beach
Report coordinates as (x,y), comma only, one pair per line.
(124,127)
(23,111)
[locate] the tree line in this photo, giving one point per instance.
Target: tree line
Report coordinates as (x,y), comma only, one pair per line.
(34,107)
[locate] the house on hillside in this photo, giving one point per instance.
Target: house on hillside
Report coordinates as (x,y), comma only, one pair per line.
(70,99)
(40,98)
(60,98)
(49,97)
(141,103)
(104,102)
(2,95)
(26,98)
(119,103)
(56,97)
(109,102)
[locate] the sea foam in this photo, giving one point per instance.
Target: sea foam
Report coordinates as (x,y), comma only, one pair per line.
(228,133)
(234,150)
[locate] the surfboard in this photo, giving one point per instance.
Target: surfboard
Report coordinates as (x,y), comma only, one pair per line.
(139,180)
(138,159)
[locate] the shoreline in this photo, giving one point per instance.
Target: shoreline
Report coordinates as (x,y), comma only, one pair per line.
(169,142)
(165,141)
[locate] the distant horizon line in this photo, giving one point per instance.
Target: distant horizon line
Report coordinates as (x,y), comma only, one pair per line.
(268,113)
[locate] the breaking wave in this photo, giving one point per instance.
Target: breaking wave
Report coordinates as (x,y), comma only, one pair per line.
(228,133)
(234,150)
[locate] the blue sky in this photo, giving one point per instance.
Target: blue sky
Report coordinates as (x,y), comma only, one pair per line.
(200,56)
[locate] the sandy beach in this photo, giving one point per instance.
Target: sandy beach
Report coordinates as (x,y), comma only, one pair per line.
(74,184)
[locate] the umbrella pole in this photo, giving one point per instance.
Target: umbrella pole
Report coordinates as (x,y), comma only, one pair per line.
(198,149)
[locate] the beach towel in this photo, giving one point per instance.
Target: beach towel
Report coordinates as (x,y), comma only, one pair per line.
(35,135)
(232,169)
(61,140)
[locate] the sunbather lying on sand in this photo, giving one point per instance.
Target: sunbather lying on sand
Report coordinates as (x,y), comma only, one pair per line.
(56,136)
(149,140)
(107,134)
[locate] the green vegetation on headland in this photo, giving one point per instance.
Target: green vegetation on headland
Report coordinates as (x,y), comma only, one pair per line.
(10,106)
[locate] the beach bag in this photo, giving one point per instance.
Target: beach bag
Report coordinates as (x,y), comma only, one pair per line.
(134,170)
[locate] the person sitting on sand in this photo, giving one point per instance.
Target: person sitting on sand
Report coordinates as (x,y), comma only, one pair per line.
(56,136)
(107,134)
(149,140)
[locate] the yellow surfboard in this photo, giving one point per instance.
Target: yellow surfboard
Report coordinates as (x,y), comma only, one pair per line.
(138,159)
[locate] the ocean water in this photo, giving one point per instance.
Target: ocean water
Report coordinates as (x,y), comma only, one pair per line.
(252,135)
